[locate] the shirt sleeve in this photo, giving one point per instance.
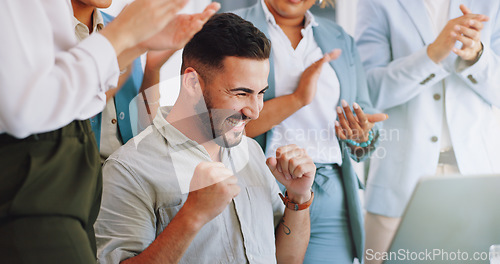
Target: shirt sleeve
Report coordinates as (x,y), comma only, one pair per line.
(482,76)
(126,223)
(391,82)
(47,79)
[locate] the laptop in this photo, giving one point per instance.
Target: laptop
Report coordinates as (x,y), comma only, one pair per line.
(449,219)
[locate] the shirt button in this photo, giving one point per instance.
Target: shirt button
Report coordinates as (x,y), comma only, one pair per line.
(434,139)
(437,97)
(122,115)
(113,121)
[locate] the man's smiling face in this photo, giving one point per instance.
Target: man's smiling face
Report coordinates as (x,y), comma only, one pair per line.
(233,96)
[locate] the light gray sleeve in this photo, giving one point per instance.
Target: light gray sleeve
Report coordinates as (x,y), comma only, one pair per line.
(126,224)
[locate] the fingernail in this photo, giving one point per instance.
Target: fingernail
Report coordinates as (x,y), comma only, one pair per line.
(344,103)
(457,28)
(386,116)
(355,105)
(339,110)
(453,34)
(471,22)
(337,123)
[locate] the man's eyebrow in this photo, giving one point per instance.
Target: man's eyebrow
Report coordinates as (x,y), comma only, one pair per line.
(248,90)
(264,90)
(242,89)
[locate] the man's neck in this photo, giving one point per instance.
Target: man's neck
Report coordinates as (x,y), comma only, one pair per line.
(188,125)
(84,13)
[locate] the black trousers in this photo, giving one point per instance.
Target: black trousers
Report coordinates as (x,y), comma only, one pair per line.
(50,193)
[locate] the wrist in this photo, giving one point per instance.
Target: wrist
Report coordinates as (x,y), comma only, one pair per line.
(477,53)
(299,198)
(432,54)
(297,102)
(363,144)
(191,217)
(119,41)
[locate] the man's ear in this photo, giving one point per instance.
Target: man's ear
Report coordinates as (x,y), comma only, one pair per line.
(191,82)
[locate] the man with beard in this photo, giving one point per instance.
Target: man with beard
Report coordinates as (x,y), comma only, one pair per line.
(192,188)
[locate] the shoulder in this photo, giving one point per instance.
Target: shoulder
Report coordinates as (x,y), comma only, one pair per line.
(143,160)
(327,26)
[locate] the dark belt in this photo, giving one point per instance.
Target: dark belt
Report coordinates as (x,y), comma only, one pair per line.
(72,130)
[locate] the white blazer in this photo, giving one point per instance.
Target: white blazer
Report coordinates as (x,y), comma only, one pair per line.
(392,37)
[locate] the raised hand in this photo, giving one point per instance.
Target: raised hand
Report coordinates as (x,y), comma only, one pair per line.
(306,90)
(180,30)
(357,127)
(295,170)
(212,188)
(465,29)
(470,37)
(139,21)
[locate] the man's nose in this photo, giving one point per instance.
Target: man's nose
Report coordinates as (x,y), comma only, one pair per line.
(253,108)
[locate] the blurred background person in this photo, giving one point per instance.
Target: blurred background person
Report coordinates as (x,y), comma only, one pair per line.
(49,86)
(432,65)
(122,115)
(311,85)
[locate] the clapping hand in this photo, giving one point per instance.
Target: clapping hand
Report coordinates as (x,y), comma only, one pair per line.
(470,36)
(355,128)
(180,30)
(466,29)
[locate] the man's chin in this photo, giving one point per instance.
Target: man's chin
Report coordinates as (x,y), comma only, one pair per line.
(229,141)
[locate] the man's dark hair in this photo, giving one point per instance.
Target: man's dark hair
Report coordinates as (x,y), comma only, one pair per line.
(222,36)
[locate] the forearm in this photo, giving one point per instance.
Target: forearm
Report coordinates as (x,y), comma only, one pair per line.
(170,245)
(149,97)
(274,112)
(128,56)
(110,94)
(292,236)
(401,80)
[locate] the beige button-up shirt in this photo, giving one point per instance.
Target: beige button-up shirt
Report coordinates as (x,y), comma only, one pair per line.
(82,31)
(110,137)
(146,183)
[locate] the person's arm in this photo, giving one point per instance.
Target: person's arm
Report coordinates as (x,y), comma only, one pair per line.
(292,235)
(293,168)
(48,80)
(148,99)
(367,118)
(393,82)
(126,227)
(280,108)
(481,73)
(149,93)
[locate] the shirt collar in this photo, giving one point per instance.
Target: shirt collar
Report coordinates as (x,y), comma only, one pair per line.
(309,17)
(81,29)
(168,131)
